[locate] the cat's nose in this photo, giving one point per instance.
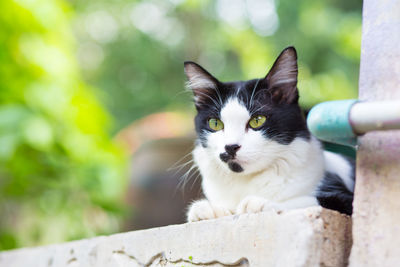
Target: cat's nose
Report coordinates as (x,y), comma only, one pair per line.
(232,149)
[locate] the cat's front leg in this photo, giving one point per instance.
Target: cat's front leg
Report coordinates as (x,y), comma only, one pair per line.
(254,204)
(204,210)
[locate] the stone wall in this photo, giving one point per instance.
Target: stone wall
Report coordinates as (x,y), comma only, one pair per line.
(310,237)
(376,214)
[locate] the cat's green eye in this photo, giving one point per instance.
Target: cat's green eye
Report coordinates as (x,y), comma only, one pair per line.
(216,124)
(257,121)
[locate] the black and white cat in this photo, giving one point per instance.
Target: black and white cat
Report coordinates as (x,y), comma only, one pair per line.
(254,150)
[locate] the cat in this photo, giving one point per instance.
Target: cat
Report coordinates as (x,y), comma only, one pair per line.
(254,151)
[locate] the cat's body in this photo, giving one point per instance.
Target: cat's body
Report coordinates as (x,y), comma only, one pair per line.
(254,151)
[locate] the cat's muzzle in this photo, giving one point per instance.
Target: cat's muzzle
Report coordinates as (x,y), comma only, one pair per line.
(225,157)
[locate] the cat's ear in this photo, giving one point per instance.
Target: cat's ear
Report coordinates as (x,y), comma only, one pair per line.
(282,78)
(201,82)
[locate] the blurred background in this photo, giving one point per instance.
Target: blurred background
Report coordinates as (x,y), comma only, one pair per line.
(95,123)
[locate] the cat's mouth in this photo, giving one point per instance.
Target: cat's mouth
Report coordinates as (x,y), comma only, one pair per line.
(230,160)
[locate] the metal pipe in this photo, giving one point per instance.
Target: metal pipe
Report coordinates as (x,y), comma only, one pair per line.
(372,116)
(329,121)
(342,121)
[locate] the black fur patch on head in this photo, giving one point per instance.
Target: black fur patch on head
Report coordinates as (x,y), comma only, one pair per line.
(275,97)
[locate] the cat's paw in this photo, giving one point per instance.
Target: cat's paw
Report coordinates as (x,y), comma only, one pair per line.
(203,210)
(254,204)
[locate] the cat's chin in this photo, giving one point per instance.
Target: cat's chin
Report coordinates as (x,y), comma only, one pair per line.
(235,167)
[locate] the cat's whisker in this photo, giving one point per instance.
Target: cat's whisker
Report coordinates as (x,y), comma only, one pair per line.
(258,109)
(196,178)
(181,183)
(189,176)
(261,91)
(185,178)
(178,164)
(182,166)
(252,93)
(219,96)
(247,100)
(183,92)
(209,97)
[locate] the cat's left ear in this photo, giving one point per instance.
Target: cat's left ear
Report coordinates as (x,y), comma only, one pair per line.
(282,78)
(201,82)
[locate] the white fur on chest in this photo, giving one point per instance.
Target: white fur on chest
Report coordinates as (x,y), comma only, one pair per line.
(295,172)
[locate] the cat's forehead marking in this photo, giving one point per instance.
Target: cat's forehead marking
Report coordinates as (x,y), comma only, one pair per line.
(234,111)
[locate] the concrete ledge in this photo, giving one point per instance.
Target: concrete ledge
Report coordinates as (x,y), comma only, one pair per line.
(310,237)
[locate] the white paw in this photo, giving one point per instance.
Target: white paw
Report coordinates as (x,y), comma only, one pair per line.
(203,210)
(254,204)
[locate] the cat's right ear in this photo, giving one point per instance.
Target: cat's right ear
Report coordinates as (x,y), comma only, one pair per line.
(201,82)
(282,78)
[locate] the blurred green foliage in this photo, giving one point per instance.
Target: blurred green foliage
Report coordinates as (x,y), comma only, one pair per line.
(61,176)
(133,50)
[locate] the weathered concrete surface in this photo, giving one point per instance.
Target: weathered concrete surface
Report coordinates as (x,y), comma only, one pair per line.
(310,237)
(376,227)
